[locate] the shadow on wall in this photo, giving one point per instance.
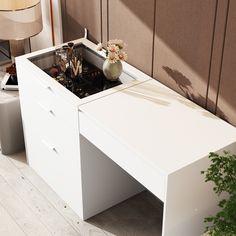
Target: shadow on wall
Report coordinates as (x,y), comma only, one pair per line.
(178,27)
(184,34)
(135,6)
(185,86)
(184,30)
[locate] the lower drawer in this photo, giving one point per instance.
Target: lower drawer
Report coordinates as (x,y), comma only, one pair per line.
(60,170)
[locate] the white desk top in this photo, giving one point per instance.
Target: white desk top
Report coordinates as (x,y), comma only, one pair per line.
(159,125)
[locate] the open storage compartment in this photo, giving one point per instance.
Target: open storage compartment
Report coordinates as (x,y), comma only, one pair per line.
(89,81)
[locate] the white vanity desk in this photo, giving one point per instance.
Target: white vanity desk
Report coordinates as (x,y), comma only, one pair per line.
(162,140)
(158,137)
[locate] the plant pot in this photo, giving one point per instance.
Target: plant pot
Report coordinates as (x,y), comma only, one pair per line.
(112,71)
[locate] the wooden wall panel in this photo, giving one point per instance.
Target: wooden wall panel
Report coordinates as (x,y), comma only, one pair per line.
(183,45)
(218,47)
(226,106)
(104,6)
(77,14)
(133,21)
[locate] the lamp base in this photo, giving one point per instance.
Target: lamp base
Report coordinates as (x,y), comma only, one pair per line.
(17,48)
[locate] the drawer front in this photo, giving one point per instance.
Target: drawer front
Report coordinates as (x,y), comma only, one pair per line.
(48,97)
(53,152)
(62,175)
(62,138)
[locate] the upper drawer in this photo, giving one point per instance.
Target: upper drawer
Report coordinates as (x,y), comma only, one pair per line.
(45,95)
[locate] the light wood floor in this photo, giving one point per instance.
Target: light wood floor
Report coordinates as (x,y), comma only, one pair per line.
(28,206)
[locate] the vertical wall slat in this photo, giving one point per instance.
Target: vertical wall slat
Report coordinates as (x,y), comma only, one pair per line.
(104,17)
(226,106)
(183,41)
(132,21)
(218,47)
(79,14)
(64,19)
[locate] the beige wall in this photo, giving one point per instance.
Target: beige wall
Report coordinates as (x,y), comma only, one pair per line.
(77,14)
(134,20)
(188,45)
(183,38)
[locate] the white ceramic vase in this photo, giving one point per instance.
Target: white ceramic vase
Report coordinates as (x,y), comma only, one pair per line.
(112,71)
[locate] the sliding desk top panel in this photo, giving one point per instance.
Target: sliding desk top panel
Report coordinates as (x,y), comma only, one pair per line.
(164,129)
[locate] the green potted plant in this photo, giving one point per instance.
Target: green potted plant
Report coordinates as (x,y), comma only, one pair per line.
(222,172)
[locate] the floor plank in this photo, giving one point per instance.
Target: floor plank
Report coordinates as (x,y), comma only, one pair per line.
(81,226)
(8,226)
(38,204)
(20,213)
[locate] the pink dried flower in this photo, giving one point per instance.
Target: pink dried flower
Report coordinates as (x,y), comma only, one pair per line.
(113,57)
(113,48)
(117,42)
(123,56)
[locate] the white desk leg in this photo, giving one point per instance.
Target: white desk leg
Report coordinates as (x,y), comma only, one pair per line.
(104,183)
(189,199)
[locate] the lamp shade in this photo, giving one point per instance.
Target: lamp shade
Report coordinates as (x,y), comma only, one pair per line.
(13,5)
(20,19)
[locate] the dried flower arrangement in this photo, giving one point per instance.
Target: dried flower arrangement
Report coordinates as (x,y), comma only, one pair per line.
(114,50)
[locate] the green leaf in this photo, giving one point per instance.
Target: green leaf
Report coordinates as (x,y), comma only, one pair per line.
(222,172)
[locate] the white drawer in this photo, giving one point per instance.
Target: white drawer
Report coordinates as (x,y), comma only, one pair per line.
(62,175)
(48,97)
(63,139)
(53,152)
(60,139)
